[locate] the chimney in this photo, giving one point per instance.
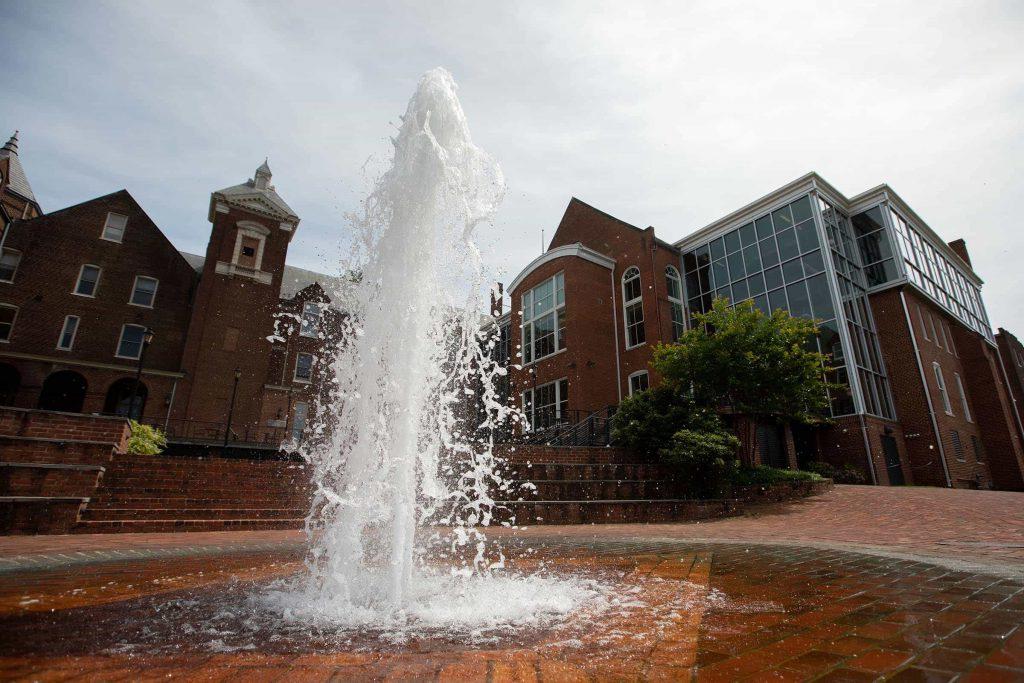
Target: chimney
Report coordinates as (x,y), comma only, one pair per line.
(960,247)
(498,300)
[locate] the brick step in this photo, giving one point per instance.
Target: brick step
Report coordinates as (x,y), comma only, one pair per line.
(191,465)
(618,511)
(164,525)
(595,489)
(103,501)
(109,489)
(142,513)
(575,471)
(48,479)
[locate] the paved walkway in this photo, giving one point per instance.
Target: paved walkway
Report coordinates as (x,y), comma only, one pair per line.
(976,528)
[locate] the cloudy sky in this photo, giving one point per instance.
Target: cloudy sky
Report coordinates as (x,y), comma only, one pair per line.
(661,114)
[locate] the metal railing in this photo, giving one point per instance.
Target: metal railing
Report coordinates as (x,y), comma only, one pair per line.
(572,428)
(204,432)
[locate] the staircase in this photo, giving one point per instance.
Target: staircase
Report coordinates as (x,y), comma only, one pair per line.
(154,493)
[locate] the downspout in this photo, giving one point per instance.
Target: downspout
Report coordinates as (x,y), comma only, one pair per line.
(170,404)
(927,392)
(615,322)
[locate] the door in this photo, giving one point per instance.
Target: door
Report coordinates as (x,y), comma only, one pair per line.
(892,460)
(772,446)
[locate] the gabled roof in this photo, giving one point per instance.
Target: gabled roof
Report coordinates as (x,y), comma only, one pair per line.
(17,181)
(257,194)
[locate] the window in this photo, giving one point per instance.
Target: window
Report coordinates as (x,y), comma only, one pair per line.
(299,420)
(675,298)
(88,280)
(67,333)
(130,344)
(942,334)
(250,241)
(924,328)
(638,381)
(951,344)
(8,314)
(963,397)
(144,291)
(633,304)
(544,319)
(935,334)
(9,264)
(113,228)
(304,367)
(941,382)
(958,445)
(310,319)
(547,405)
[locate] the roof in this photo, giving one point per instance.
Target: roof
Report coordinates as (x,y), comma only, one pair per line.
(577,200)
(259,195)
(17,181)
(293,281)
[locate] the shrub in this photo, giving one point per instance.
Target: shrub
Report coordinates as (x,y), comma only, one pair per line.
(847,474)
(145,440)
(705,460)
(762,475)
(647,421)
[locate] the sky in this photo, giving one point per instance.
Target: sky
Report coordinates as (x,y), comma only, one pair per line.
(664,114)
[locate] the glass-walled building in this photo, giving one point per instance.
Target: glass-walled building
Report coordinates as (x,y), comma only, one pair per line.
(798,254)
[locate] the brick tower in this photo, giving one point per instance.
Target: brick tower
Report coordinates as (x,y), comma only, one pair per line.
(238,294)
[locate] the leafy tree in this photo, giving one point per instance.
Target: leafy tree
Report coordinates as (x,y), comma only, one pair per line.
(145,440)
(752,364)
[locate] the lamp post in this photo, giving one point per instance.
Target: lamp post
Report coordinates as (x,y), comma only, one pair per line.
(231,407)
(147,339)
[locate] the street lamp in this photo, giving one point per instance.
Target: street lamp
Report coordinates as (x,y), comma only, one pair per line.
(147,339)
(231,407)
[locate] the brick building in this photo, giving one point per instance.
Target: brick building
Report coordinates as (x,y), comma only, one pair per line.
(91,292)
(1011,351)
(925,397)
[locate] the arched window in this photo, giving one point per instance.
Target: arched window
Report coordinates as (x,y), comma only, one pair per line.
(674,286)
(64,391)
(633,307)
(119,398)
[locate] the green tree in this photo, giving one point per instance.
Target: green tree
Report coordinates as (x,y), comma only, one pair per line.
(749,363)
(145,440)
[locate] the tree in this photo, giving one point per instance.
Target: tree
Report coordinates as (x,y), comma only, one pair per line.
(752,364)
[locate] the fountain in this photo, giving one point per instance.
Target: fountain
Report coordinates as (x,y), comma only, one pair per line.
(399,451)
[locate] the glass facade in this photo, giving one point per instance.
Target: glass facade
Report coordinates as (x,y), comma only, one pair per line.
(777,261)
(938,277)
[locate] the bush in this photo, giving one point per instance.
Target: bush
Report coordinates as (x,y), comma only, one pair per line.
(847,474)
(145,440)
(647,421)
(762,475)
(705,459)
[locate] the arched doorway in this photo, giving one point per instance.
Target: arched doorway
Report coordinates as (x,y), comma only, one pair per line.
(63,391)
(10,380)
(119,398)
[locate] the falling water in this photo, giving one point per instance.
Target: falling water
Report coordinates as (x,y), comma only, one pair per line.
(403,450)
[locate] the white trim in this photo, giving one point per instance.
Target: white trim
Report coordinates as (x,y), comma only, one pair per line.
(120,338)
(135,286)
(106,220)
(74,334)
(963,397)
(626,304)
(577,250)
(78,281)
(295,372)
(257,232)
(638,373)
(940,381)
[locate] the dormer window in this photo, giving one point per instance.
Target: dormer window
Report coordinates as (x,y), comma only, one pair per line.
(113,228)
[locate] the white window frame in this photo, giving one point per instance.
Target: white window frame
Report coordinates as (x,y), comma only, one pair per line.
(672,273)
(314,323)
(120,338)
(530,417)
(637,375)
(106,223)
(135,285)
(529,319)
(924,327)
(941,382)
(257,232)
(952,342)
(74,333)
(295,373)
(17,265)
(963,397)
(627,304)
(14,321)
(935,334)
(78,280)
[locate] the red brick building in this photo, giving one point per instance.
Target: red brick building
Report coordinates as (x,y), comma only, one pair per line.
(84,288)
(925,398)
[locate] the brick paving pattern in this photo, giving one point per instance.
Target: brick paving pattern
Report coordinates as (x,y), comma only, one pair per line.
(714,611)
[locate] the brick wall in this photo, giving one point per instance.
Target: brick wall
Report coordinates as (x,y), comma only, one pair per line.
(39,424)
(1011,353)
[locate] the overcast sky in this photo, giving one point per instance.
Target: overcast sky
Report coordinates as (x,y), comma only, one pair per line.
(661,114)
